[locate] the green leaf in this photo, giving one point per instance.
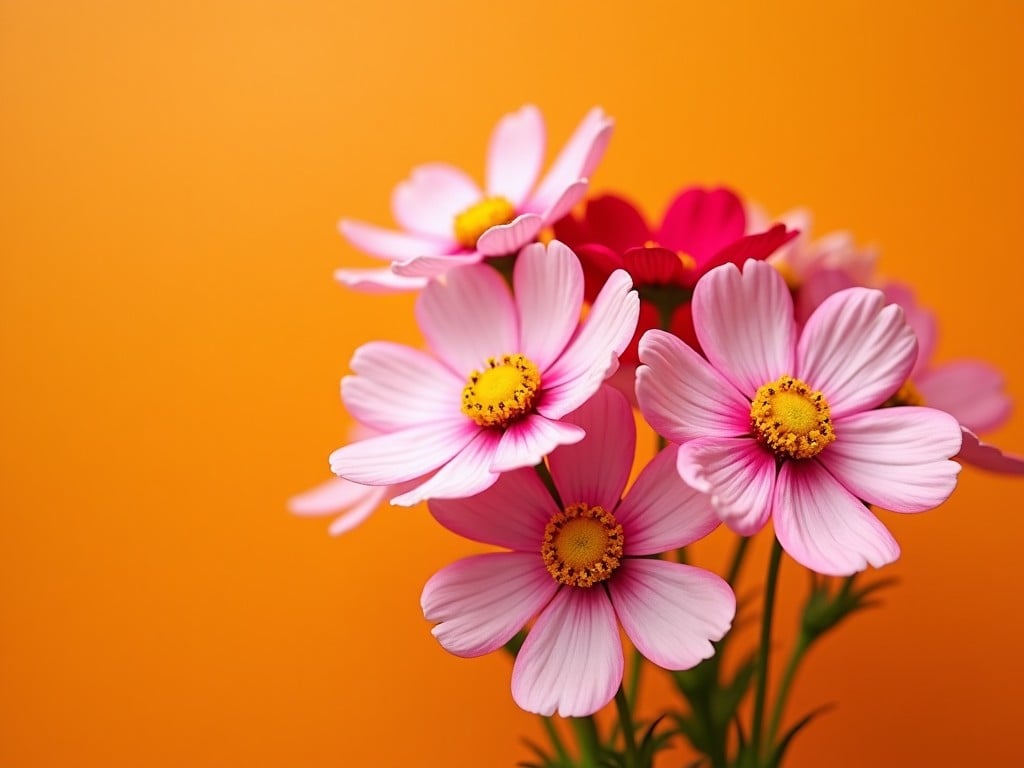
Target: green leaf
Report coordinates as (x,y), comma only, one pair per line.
(787,739)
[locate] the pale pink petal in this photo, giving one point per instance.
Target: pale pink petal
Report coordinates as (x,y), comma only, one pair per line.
(970,390)
(661,512)
(744,322)
(468,318)
(818,286)
(561,207)
(505,239)
(549,295)
(823,526)
(434,266)
(389,244)
(515,154)
(430,199)
(396,387)
(577,160)
(571,662)
(512,513)
(923,321)
(403,455)
(897,458)
(672,612)
(466,474)
(480,602)
(353,503)
(682,396)
(738,475)
(856,350)
(985,456)
(377,281)
(592,354)
(595,470)
(526,441)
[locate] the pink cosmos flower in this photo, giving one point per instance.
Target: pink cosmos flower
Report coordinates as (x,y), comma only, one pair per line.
(581,563)
(784,424)
(448,221)
(506,370)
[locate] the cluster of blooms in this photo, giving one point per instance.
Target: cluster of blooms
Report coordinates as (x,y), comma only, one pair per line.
(784,380)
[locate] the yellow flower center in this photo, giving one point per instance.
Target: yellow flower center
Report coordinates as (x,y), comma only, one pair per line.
(791,419)
(480,217)
(502,392)
(908,394)
(582,545)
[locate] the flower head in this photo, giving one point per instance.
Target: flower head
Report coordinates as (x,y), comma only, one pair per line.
(504,373)
(580,566)
(448,221)
(785,424)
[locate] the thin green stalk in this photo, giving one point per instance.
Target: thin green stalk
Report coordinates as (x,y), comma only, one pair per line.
(556,740)
(636,665)
(585,729)
(737,560)
(764,651)
(549,482)
(628,729)
(803,642)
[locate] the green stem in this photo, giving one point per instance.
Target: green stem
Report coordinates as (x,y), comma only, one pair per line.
(803,642)
(766,639)
(549,482)
(586,736)
(556,740)
(636,665)
(737,560)
(628,729)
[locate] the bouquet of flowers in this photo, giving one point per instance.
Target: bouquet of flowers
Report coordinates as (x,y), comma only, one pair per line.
(779,380)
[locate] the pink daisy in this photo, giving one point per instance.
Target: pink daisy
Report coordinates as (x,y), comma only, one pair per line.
(448,221)
(776,423)
(580,564)
(506,370)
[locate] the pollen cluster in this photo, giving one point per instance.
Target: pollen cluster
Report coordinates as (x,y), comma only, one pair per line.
(791,419)
(501,392)
(582,545)
(480,217)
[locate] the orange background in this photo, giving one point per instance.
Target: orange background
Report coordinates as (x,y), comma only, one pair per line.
(172,339)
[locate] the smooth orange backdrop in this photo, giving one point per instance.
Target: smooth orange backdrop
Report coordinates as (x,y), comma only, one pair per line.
(171,343)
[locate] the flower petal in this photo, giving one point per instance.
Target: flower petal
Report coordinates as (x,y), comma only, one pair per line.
(653,265)
(377,281)
(527,441)
(897,458)
(565,202)
(592,355)
(549,296)
(512,513)
(823,526)
(505,239)
(388,244)
(661,512)
(430,199)
(923,321)
(466,474)
(744,321)
(480,602)
(818,286)
(576,161)
(434,266)
(403,455)
(736,473)
(595,469)
(468,318)
(671,612)
(985,456)
(969,390)
(758,247)
(353,503)
(856,350)
(682,396)
(515,154)
(616,223)
(701,222)
(571,662)
(396,387)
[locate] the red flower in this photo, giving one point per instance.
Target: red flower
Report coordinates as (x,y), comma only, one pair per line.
(702,229)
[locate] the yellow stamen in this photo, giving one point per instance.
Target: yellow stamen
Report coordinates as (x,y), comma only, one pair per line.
(791,419)
(908,394)
(582,545)
(480,217)
(502,392)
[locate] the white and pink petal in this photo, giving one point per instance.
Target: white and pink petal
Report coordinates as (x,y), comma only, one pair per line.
(430,199)
(525,442)
(515,154)
(548,292)
(467,473)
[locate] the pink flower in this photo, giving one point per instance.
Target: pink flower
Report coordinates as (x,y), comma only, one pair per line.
(507,369)
(580,564)
(776,423)
(351,502)
(448,221)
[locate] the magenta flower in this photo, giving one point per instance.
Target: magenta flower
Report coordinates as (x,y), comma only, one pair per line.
(580,564)
(448,221)
(507,369)
(776,423)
